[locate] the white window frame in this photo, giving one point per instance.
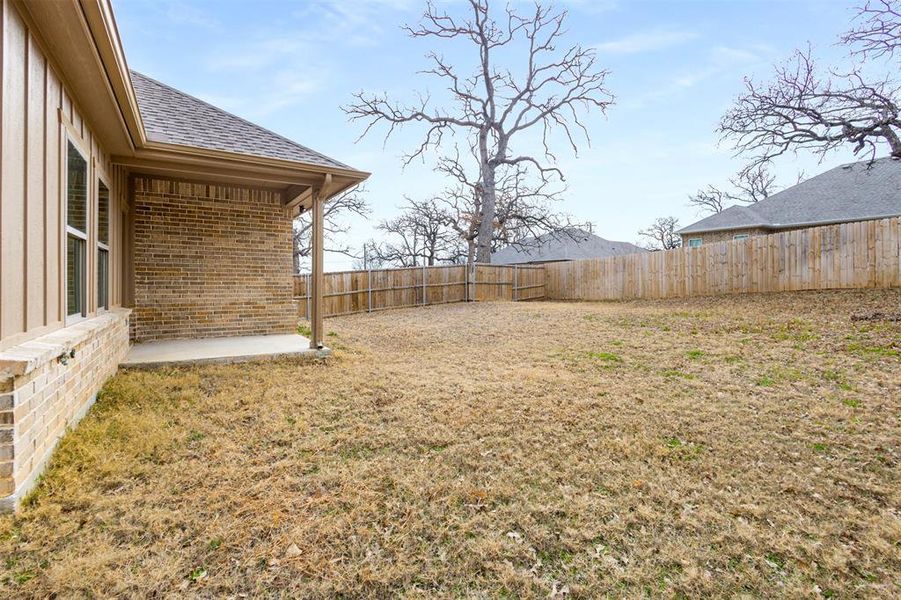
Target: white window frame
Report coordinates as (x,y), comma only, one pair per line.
(740,236)
(101,178)
(76,143)
(692,244)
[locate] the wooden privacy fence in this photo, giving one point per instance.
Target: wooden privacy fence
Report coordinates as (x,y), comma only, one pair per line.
(848,255)
(350,292)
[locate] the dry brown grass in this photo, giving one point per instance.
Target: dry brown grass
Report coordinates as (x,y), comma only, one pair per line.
(723,447)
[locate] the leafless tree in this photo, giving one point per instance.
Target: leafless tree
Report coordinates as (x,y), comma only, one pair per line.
(877,33)
(751,184)
(351,202)
(710,199)
(525,207)
(548,93)
(661,234)
(419,235)
(808,108)
(799,109)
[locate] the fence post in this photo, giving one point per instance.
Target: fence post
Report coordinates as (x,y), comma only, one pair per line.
(369,286)
(513,293)
(466,283)
(424,275)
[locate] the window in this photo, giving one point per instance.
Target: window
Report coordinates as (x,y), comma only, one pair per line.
(102,245)
(76,230)
(740,236)
(694,242)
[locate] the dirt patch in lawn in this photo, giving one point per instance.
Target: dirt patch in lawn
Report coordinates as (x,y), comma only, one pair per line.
(723,446)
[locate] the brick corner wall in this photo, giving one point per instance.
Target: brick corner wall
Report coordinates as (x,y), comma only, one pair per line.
(46,386)
(210,261)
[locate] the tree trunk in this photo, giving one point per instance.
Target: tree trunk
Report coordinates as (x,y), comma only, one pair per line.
(894,141)
(486,224)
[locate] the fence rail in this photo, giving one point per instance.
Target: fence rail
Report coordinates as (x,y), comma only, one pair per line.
(847,255)
(349,292)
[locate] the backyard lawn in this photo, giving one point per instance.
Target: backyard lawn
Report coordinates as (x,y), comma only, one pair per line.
(718,446)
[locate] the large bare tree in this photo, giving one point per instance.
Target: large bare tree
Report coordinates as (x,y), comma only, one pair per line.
(661,234)
(495,104)
(334,225)
(525,206)
(805,107)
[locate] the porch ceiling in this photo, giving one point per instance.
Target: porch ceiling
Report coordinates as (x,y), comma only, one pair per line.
(297,182)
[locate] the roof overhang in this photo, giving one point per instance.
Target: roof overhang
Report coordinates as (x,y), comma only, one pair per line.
(784,226)
(688,231)
(81,37)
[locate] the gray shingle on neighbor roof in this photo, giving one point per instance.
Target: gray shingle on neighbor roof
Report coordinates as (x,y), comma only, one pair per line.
(562,246)
(173,117)
(853,192)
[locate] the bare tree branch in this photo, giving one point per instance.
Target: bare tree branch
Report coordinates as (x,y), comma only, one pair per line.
(525,207)
(798,110)
(710,199)
(753,184)
(878,30)
(490,105)
(351,202)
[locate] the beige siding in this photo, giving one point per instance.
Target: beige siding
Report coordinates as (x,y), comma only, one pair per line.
(37,114)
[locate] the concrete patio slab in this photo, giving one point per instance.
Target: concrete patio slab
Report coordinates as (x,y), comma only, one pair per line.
(220,350)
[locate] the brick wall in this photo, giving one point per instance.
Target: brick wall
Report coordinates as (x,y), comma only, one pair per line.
(712,237)
(210,261)
(41,395)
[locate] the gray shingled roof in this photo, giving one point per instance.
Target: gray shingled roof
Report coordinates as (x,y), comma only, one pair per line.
(850,192)
(173,117)
(561,246)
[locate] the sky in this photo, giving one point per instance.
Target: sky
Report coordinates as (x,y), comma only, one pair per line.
(676,66)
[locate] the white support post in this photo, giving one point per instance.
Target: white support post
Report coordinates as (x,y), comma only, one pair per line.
(309,293)
(318,274)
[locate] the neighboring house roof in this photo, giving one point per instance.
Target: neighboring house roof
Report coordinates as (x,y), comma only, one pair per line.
(174,117)
(571,245)
(853,192)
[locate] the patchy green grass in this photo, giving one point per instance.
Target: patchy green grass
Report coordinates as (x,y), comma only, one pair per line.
(605,356)
(875,351)
(527,450)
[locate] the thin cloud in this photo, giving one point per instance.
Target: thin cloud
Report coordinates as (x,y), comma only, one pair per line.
(722,60)
(182,13)
(648,41)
